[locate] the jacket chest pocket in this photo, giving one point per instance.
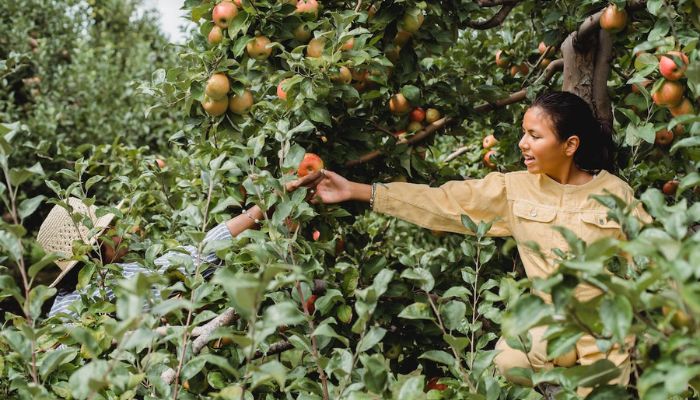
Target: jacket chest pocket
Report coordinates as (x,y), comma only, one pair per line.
(534,222)
(596,224)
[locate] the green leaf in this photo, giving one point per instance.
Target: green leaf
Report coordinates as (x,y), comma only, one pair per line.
(243,290)
(417,311)
(529,311)
(616,315)
(412,389)
(422,276)
(375,375)
(598,373)
(35,268)
(371,338)
(439,356)
(55,359)
(685,142)
(411,93)
(453,314)
(28,206)
(272,370)
(325,329)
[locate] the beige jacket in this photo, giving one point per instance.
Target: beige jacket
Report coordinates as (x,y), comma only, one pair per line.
(526,205)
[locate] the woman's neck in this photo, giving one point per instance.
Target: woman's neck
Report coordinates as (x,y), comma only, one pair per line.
(572,176)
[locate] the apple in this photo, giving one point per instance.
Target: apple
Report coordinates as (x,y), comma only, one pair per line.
(664,137)
(215,107)
(522,69)
(392,52)
(432,115)
(241,104)
(7,217)
(545,62)
(348,45)
(670,187)
(301,33)
(400,136)
(402,37)
(280,92)
(669,94)
(360,78)
(311,163)
(417,114)
(343,76)
(316,235)
(642,84)
(501,59)
(344,313)
(412,21)
(398,104)
(679,319)
(216,35)
(217,86)
(668,67)
(258,48)
(434,385)
(613,19)
(683,108)
(224,13)
(488,161)
(339,246)
(307,7)
(315,47)
(238,3)
(311,304)
(414,126)
(489,141)
(542,48)
(160,163)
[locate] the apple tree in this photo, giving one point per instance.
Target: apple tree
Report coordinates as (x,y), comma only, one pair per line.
(337,302)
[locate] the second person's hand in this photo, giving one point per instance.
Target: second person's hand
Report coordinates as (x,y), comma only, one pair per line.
(333,188)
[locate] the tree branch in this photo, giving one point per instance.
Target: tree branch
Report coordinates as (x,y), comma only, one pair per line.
(419,136)
(591,24)
(601,71)
(494,3)
(521,95)
(496,20)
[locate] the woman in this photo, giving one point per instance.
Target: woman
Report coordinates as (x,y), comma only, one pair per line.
(568,158)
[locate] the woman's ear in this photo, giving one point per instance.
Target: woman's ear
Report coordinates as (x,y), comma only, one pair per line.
(571,145)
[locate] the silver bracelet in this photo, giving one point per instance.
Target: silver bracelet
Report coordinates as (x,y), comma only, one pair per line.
(257,221)
(371,197)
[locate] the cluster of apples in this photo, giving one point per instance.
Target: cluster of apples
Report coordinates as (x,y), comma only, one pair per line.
(399,105)
(488,143)
(217,99)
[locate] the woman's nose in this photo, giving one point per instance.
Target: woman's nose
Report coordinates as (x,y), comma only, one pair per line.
(522,143)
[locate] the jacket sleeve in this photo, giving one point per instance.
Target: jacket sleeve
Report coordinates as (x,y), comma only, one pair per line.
(442,208)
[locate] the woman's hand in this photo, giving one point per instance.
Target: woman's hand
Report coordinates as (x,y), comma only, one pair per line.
(333,188)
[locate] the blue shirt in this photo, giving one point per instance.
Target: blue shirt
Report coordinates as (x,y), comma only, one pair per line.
(64,300)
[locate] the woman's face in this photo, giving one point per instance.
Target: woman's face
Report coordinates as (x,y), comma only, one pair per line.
(543,152)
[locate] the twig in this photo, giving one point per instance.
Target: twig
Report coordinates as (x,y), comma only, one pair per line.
(314,345)
(419,136)
(496,20)
(457,153)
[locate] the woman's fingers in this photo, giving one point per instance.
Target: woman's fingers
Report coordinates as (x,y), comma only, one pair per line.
(310,180)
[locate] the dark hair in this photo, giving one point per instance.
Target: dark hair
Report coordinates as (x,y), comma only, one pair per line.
(571,115)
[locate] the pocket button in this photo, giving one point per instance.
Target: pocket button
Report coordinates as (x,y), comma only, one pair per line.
(533,213)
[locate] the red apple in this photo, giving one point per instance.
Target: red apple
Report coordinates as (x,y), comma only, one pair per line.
(280,92)
(414,126)
(489,141)
(224,13)
(668,67)
(664,137)
(160,163)
(683,108)
(311,163)
(613,19)
(488,161)
(348,45)
(501,60)
(434,385)
(417,114)
(669,94)
(307,7)
(316,235)
(670,187)
(311,303)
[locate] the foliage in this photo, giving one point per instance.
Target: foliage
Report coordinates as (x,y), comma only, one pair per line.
(399,305)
